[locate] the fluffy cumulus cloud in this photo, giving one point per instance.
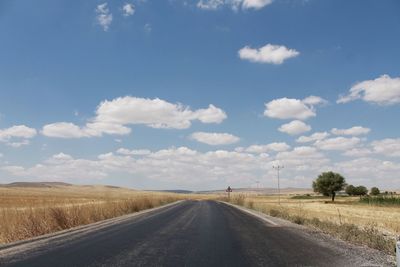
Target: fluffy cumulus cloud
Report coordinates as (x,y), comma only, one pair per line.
(314,137)
(233,4)
(295,127)
(370,171)
(271,54)
(384,90)
(356,130)
(255,4)
(112,117)
(17,136)
(104,17)
(187,168)
(128,9)
(258,149)
(358,152)
(133,152)
(388,147)
(291,108)
(338,143)
(214,138)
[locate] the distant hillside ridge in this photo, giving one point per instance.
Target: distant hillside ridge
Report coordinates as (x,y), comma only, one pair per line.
(36,184)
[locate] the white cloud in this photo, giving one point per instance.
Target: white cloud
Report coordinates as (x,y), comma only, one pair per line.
(290,108)
(147,28)
(258,149)
(303,159)
(271,54)
(370,171)
(255,4)
(134,152)
(388,147)
(338,143)
(356,130)
(313,100)
(215,138)
(187,168)
(295,127)
(113,116)
(233,4)
(63,130)
(210,4)
(358,152)
(383,91)
(128,9)
(314,137)
(104,17)
(17,136)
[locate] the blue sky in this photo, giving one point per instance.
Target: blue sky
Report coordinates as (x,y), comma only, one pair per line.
(192,94)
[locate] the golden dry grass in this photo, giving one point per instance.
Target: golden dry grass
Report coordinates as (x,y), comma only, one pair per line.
(347,219)
(29,212)
(344,210)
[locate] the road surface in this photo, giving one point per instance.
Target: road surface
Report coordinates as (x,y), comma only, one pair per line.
(190,233)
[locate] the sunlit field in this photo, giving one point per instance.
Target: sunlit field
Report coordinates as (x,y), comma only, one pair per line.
(343,210)
(28,212)
(377,221)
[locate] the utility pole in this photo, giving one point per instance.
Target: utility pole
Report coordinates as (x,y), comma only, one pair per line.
(278,168)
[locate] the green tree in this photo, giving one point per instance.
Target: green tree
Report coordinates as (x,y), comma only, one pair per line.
(350,190)
(375,191)
(361,190)
(328,183)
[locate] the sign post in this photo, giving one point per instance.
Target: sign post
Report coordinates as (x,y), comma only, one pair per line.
(398,253)
(229,190)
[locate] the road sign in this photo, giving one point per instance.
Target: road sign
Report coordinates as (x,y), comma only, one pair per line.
(229,190)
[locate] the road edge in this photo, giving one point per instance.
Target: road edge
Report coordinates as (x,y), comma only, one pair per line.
(254,213)
(82,228)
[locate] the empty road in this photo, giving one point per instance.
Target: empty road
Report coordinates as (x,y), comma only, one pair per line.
(189,233)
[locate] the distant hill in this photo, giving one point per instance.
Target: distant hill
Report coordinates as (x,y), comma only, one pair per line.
(263,191)
(177,191)
(36,184)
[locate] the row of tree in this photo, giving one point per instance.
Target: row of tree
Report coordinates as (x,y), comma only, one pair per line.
(328,183)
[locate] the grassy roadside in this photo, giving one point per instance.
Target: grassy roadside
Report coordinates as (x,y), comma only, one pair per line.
(367,235)
(27,213)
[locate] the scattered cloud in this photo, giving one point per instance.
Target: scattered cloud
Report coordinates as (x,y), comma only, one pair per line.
(233,4)
(210,4)
(214,138)
(128,10)
(356,130)
(314,137)
(358,152)
(258,149)
(134,152)
(17,136)
(271,54)
(147,28)
(383,91)
(290,108)
(295,127)
(338,143)
(104,17)
(113,116)
(389,147)
(255,4)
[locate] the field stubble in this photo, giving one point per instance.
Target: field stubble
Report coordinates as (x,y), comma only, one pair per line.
(31,212)
(371,225)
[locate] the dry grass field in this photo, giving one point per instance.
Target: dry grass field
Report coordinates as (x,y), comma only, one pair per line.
(346,218)
(27,212)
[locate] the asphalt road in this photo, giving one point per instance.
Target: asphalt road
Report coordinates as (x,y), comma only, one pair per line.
(191,233)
